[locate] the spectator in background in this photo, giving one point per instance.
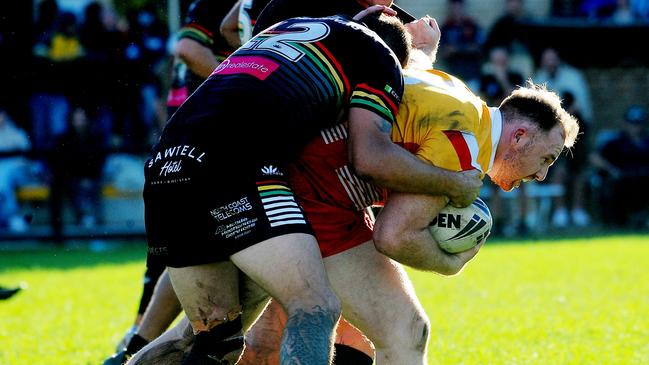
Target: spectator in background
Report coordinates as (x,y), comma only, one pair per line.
(565,8)
(571,84)
(14,171)
(641,9)
(623,163)
(44,27)
(102,43)
(76,166)
(623,14)
(55,56)
(597,9)
(461,43)
(571,173)
(506,32)
(138,84)
(563,78)
(498,79)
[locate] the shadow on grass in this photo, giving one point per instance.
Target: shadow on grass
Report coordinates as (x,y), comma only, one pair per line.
(20,256)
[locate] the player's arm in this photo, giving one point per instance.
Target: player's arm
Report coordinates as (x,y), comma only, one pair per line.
(230,26)
(377,159)
(401,233)
(198,58)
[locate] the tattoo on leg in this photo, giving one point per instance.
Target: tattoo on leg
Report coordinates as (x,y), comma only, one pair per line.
(308,338)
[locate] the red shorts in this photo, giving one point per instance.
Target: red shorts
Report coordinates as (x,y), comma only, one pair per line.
(336,228)
(333,198)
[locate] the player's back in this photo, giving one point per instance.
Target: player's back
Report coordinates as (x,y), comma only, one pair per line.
(443,122)
(287,83)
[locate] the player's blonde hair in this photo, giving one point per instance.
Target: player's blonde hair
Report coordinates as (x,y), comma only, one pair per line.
(542,107)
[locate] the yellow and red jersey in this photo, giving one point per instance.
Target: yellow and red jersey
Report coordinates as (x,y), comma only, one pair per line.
(442,122)
(439,120)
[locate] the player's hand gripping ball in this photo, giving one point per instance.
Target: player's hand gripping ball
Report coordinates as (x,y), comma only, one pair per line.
(459,229)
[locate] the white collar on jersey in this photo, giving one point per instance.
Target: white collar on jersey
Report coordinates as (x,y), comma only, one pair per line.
(496,130)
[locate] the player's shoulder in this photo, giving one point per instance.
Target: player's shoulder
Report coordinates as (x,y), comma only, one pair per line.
(440,87)
(438,79)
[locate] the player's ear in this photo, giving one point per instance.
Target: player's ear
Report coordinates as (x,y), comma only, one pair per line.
(520,137)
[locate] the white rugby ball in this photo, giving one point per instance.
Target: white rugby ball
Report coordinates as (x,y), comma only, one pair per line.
(459,229)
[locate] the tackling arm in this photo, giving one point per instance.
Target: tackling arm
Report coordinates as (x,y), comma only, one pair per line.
(376,158)
(401,232)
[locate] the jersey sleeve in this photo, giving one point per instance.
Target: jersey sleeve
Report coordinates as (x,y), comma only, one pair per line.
(451,149)
(381,88)
(202,24)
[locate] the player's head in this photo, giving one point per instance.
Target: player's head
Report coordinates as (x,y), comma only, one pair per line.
(393,33)
(535,130)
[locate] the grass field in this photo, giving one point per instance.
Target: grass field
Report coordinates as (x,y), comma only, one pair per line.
(578,301)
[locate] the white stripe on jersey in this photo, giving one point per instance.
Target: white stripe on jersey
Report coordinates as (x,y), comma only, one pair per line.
(496,130)
(360,192)
(333,134)
(474,149)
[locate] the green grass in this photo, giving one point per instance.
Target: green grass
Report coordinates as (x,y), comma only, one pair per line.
(577,301)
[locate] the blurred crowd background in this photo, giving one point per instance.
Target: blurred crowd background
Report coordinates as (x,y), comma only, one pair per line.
(83,86)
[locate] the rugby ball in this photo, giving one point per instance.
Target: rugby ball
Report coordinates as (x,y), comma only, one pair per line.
(459,229)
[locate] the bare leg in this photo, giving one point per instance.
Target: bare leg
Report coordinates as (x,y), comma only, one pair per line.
(161,311)
(208,293)
(379,299)
(290,269)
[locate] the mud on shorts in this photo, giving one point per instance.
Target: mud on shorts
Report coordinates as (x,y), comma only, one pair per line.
(201,210)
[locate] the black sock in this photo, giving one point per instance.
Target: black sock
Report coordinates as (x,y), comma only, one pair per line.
(346,355)
(135,344)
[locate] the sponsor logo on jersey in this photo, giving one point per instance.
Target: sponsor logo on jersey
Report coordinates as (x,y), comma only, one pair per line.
(231,209)
(171,167)
(271,170)
(183,151)
(258,67)
(388,89)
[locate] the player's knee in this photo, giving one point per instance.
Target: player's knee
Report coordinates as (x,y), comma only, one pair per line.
(324,301)
(411,334)
(325,311)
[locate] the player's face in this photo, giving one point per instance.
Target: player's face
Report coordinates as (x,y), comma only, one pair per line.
(529,157)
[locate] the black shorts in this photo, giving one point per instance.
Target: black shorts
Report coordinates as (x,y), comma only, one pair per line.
(202,208)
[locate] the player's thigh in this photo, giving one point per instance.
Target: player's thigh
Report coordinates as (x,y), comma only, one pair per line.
(290,269)
(376,294)
(207,292)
